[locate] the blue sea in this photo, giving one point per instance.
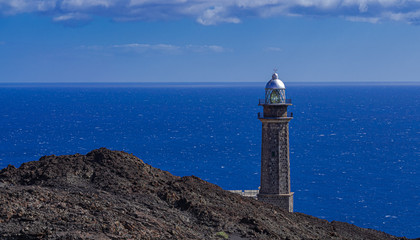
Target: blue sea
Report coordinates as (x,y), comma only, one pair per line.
(355,148)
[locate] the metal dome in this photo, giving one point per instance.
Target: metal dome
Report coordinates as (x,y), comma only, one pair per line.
(275,83)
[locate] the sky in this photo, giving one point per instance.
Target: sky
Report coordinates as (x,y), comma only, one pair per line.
(209,41)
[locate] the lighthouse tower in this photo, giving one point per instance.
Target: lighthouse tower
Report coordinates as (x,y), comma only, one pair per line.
(275,164)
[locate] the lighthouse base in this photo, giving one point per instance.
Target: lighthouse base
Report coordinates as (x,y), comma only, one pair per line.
(284,201)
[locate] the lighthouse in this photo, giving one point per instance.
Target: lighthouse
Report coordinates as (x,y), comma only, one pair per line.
(275,163)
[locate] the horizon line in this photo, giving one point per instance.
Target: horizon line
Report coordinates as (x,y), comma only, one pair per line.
(198,84)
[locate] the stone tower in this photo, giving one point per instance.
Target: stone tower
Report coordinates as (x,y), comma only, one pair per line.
(275,164)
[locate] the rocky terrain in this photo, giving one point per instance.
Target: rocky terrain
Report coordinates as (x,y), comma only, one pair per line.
(114,195)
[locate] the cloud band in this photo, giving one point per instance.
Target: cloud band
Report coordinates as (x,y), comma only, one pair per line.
(211,12)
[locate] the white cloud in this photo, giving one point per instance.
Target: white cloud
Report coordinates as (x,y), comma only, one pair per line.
(11,7)
(216,15)
(206,48)
(363,19)
(210,12)
(84,4)
(71,16)
(139,48)
(412,17)
(273,49)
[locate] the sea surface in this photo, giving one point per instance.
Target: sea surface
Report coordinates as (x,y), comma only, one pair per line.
(355,148)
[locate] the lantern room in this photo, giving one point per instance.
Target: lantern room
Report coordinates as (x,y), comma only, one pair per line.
(275,91)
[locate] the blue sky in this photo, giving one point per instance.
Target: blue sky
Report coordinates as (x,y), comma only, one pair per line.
(209,41)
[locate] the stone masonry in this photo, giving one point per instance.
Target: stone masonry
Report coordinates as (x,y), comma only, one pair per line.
(275,164)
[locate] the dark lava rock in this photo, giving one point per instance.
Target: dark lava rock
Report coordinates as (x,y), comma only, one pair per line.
(114,195)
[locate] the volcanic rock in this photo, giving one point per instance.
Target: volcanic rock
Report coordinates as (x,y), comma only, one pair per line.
(114,195)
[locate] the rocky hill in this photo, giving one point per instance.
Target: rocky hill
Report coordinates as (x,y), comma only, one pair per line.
(114,195)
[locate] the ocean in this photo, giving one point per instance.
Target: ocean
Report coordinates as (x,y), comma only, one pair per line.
(354,148)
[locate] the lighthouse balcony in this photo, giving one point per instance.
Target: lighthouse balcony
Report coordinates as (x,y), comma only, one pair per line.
(286,101)
(287,115)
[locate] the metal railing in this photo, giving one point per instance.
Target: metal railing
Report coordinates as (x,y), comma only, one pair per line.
(261,115)
(288,101)
(246,193)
